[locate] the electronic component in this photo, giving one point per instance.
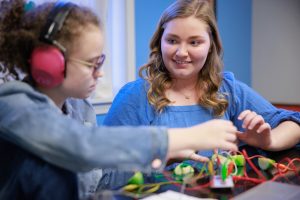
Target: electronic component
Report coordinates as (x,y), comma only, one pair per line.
(217,182)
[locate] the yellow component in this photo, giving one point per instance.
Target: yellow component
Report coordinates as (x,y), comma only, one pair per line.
(150,189)
(130,187)
(211,168)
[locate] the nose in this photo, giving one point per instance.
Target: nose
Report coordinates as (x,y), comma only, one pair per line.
(98,73)
(182,50)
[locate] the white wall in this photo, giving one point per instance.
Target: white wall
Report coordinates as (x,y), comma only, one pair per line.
(276,50)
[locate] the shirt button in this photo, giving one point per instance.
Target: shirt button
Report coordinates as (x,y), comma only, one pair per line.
(156,163)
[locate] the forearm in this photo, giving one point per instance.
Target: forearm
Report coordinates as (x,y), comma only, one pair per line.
(284,136)
(66,143)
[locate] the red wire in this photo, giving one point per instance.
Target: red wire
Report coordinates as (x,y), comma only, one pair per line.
(198,187)
(256,156)
(253,166)
(254,180)
(282,168)
(245,171)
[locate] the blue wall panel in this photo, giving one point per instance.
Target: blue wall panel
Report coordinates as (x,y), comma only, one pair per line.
(147,14)
(234,20)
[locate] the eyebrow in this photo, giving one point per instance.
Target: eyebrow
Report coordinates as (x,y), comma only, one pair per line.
(192,37)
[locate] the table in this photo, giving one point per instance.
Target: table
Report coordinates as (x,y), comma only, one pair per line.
(240,186)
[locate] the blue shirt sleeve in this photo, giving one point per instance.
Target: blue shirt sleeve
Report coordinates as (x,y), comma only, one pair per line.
(241,97)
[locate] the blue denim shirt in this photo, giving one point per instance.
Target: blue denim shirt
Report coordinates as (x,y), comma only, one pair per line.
(83,112)
(32,121)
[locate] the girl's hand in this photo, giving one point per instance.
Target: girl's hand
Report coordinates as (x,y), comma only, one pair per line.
(209,135)
(188,155)
(257,131)
(214,134)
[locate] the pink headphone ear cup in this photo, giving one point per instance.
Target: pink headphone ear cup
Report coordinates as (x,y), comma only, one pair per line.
(47,66)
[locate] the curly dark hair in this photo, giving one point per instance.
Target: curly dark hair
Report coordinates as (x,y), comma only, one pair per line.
(209,78)
(20,30)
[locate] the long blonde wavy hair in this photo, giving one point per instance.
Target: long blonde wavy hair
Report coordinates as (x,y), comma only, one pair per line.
(209,77)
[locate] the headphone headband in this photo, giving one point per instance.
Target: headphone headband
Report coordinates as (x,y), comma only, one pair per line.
(55,20)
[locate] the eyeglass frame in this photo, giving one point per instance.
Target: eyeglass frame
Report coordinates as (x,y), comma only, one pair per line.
(95,66)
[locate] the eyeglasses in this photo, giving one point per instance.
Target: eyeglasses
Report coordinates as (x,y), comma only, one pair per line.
(95,66)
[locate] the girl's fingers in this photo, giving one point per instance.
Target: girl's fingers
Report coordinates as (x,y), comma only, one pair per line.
(241,136)
(264,127)
(231,130)
(243,114)
(198,158)
(228,127)
(248,118)
(231,137)
(251,120)
(256,122)
(230,146)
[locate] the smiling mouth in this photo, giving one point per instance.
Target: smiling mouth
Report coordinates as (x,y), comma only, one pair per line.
(181,62)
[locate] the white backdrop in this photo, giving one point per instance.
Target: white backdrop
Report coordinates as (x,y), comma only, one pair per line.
(276,50)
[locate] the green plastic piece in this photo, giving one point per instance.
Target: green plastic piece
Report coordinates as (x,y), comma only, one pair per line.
(224,172)
(136,179)
(240,171)
(239,160)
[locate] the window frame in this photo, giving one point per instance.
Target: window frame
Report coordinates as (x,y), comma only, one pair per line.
(119,67)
